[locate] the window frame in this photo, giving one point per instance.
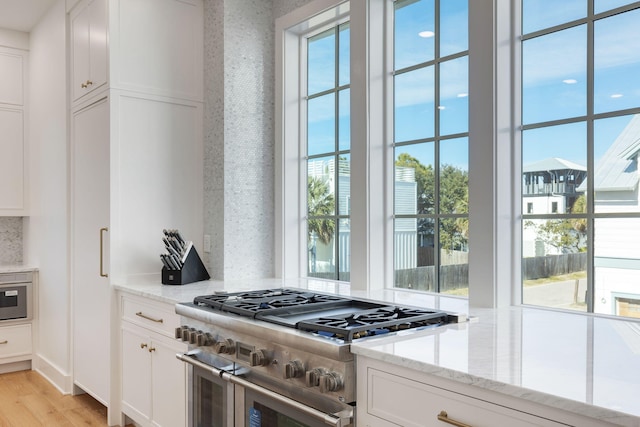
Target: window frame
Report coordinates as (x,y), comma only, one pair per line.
(493,263)
(589,119)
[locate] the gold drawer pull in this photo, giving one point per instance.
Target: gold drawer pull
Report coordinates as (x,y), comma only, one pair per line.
(142,345)
(144,316)
(102,231)
(444,417)
(4,342)
(151,349)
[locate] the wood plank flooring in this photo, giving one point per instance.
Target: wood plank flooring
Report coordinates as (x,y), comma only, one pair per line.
(29,400)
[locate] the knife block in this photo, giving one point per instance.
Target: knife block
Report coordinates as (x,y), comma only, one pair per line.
(192,270)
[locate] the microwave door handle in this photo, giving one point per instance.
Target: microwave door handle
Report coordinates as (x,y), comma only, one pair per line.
(336,420)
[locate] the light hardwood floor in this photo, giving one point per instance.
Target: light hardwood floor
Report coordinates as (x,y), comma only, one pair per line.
(29,400)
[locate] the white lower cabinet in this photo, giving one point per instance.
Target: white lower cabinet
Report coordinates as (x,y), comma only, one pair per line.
(389,396)
(15,343)
(154,382)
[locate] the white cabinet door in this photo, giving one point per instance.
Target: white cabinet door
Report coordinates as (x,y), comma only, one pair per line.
(89,51)
(12,177)
(390,396)
(136,373)
(169,384)
(12,66)
(394,400)
(154,382)
(90,249)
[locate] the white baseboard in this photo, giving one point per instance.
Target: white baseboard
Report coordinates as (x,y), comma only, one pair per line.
(60,380)
(24,365)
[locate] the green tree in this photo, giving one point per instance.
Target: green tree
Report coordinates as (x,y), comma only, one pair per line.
(320,202)
(424,178)
(454,197)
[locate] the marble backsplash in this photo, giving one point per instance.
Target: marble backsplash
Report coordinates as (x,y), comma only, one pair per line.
(10,240)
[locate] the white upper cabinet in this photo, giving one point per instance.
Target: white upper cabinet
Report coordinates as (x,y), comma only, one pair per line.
(13,145)
(149,54)
(12,68)
(89,48)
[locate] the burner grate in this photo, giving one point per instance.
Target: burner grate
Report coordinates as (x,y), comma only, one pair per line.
(272,300)
(373,322)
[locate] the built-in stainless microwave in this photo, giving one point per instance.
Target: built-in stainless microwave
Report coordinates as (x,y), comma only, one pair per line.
(15,296)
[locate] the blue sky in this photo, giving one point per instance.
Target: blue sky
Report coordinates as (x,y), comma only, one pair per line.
(554,79)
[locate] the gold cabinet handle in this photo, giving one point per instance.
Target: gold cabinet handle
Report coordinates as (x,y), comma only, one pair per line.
(89,82)
(444,417)
(102,231)
(142,345)
(144,316)
(86,84)
(83,85)
(4,342)
(152,349)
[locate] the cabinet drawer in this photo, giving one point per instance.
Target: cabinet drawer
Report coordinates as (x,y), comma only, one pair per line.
(406,402)
(15,341)
(156,316)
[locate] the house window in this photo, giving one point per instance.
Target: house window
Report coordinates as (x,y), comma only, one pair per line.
(581,107)
(328,153)
(430,140)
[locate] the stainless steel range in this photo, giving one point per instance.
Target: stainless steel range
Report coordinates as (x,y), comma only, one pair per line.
(281,357)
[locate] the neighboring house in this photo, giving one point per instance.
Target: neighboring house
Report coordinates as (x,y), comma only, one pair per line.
(548,186)
(616,240)
(405,229)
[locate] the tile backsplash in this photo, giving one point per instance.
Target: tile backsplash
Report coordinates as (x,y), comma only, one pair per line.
(10,240)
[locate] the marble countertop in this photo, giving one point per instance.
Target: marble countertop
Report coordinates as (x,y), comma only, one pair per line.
(580,363)
(583,364)
(16,268)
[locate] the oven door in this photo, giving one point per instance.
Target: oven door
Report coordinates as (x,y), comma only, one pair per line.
(241,403)
(261,409)
(210,397)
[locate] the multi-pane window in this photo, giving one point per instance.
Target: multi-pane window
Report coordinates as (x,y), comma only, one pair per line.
(430,140)
(580,144)
(328,145)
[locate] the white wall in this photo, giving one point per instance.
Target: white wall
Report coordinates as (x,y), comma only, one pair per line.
(239,135)
(47,227)
(15,39)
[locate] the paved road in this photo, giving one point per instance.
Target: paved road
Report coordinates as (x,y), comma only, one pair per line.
(556,294)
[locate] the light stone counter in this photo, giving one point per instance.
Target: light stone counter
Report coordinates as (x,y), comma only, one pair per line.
(583,364)
(16,268)
(150,287)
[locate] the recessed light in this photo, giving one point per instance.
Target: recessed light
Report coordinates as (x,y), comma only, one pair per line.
(463,95)
(426,34)
(617,95)
(570,81)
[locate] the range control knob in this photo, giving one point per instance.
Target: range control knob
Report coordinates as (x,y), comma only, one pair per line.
(226,346)
(258,358)
(293,369)
(313,376)
(331,381)
(179,330)
(186,333)
(204,339)
(193,336)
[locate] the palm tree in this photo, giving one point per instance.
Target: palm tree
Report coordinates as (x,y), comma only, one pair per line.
(320,202)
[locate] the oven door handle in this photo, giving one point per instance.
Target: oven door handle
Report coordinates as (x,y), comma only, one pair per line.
(340,419)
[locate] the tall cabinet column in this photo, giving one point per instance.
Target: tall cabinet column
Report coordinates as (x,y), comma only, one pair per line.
(136,115)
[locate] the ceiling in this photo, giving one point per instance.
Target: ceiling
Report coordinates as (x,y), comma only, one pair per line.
(22,15)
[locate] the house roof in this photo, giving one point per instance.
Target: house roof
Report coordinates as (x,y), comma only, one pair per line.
(552,164)
(617,169)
